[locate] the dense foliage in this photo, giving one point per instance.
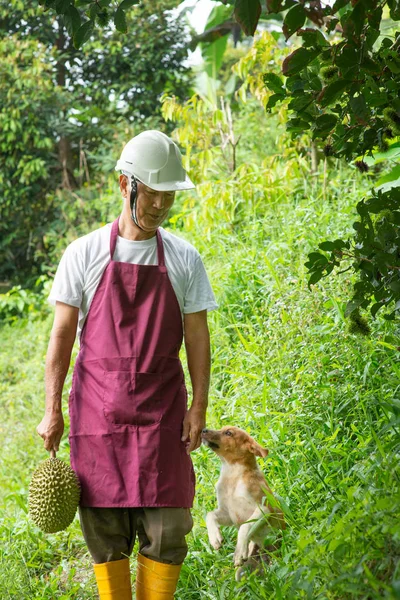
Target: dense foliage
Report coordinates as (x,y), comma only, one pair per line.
(341,86)
(374,254)
(65,112)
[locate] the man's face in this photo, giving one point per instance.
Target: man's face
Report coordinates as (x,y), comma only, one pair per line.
(152,206)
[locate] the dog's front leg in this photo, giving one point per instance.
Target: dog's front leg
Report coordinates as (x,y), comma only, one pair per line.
(213,521)
(243,541)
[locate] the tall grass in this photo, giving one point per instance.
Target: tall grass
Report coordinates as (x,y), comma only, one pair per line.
(325,402)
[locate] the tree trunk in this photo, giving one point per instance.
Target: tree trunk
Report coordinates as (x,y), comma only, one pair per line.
(64,145)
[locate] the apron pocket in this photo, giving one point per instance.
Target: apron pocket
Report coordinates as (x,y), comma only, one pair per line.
(132,398)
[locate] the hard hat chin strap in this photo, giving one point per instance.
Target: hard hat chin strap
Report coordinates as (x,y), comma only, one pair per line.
(133,200)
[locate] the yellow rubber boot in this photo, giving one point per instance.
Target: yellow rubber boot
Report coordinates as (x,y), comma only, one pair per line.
(114,580)
(155,580)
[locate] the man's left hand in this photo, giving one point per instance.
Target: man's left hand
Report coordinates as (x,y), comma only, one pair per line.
(193,424)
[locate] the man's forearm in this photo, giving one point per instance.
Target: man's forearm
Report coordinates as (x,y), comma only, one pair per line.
(199,364)
(58,359)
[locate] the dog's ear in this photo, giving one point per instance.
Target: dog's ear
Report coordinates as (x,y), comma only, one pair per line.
(257,449)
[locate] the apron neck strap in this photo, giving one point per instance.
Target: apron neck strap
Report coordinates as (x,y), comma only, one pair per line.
(113,237)
(160,249)
(113,243)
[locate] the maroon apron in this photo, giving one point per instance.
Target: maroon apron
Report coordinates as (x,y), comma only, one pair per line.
(128,397)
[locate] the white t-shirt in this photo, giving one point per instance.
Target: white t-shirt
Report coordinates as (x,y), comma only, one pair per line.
(84,260)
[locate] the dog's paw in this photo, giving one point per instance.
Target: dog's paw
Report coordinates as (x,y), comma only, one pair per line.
(241,554)
(216,539)
(252,564)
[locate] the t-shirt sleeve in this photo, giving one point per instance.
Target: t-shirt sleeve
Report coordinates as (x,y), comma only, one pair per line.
(198,295)
(69,278)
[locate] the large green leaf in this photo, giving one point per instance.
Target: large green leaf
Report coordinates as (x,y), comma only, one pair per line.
(83,34)
(218,15)
(312,37)
(120,20)
(125,4)
(213,55)
(274,83)
(331,92)
(247,13)
(390,180)
(324,125)
(294,19)
(213,52)
(72,20)
(297,60)
(377,157)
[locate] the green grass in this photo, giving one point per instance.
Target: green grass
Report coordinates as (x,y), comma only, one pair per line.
(326,403)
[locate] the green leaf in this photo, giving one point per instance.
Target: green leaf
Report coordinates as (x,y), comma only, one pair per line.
(93,10)
(359,106)
(294,20)
(83,34)
(301,101)
(347,58)
(126,4)
(62,6)
(372,34)
(352,305)
(338,5)
(297,125)
(370,65)
(324,124)
(375,307)
(315,277)
(75,19)
(395,286)
(274,6)
(247,14)
(377,157)
(358,17)
(218,16)
(120,20)
(331,92)
(274,83)
(327,246)
(297,60)
(392,178)
(394,10)
(317,257)
(316,261)
(272,100)
(294,84)
(312,37)
(213,55)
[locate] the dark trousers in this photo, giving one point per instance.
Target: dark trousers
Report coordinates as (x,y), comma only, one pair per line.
(110,533)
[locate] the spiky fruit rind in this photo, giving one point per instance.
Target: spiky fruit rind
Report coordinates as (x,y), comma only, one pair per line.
(361,166)
(54,493)
(358,324)
(392,118)
(328,73)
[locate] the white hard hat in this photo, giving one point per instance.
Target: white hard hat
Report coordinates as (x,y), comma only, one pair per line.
(154,159)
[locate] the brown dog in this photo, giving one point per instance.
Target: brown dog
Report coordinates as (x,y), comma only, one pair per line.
(242,493)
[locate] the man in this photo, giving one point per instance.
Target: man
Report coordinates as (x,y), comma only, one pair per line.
(132,289)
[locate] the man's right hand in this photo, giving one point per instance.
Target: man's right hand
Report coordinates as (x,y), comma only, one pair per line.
(51,428)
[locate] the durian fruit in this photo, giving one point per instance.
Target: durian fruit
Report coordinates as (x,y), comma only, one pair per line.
(358,324)
(54,493)
(329,72)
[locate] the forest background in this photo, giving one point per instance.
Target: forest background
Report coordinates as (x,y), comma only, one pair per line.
(293,143)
